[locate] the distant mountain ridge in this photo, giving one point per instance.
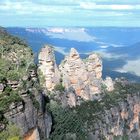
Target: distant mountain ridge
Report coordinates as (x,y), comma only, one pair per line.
(117,46)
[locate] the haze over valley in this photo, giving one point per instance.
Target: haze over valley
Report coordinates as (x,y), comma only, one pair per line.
(118,46)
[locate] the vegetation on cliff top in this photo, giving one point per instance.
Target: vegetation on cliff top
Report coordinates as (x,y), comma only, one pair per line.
(15,59)
(16,67)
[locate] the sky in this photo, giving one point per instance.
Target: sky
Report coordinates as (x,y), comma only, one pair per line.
(68,13)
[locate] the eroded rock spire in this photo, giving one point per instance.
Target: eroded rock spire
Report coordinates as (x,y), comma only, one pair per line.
(83,77)
(48,67)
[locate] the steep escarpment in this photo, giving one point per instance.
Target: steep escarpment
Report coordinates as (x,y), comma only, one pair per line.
(20,91)
(121,120)
(84,106)
(115,116)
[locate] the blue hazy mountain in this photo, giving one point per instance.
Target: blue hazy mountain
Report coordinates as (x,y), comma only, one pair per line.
(119,47)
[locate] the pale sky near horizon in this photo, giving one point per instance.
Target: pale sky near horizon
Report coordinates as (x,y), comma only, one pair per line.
(43,13)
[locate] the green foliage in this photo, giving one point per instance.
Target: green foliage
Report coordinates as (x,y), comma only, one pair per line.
(12,132)
(59,87)
(7,91)
(32,66)
(65,121)
(5,101)
(125,137)
(103,87)
(4,68)
(36,103)
(14,55)
(14,138)
(16,60)
(13,75)
(41,78)
(80,120)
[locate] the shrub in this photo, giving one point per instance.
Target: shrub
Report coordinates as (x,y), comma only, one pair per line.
(13,75)
(5,101)
(12,132)
(14,138)
(125,137)
(59,87)
(103,87)
(36,103)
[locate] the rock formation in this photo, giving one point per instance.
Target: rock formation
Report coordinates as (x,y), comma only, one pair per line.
(120,120)
(108,82)
(94,70)
(31,120)
(84,77)
(48,67)
(32,135)
(24,102)
(71,99)
(74,75)
(21,96)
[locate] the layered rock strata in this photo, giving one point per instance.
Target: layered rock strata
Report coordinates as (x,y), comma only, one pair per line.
(48,67)
(33,121)
(121,120)
(84,77)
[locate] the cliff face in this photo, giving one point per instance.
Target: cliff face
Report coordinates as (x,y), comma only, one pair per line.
(20,91)
(115,116)
(28,114)
(121,120)
(32,121)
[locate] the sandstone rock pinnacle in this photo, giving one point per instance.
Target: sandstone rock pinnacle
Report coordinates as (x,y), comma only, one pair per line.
(109,84)
(84,77)
(48,67)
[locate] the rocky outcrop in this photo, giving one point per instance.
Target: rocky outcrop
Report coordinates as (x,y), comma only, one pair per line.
(71,99)
(108,82)
(27,117)
(84,77)
(28,114)
(32,135)
(94,68)
(48,67)
(120,120)
(82,80)
(74,75)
